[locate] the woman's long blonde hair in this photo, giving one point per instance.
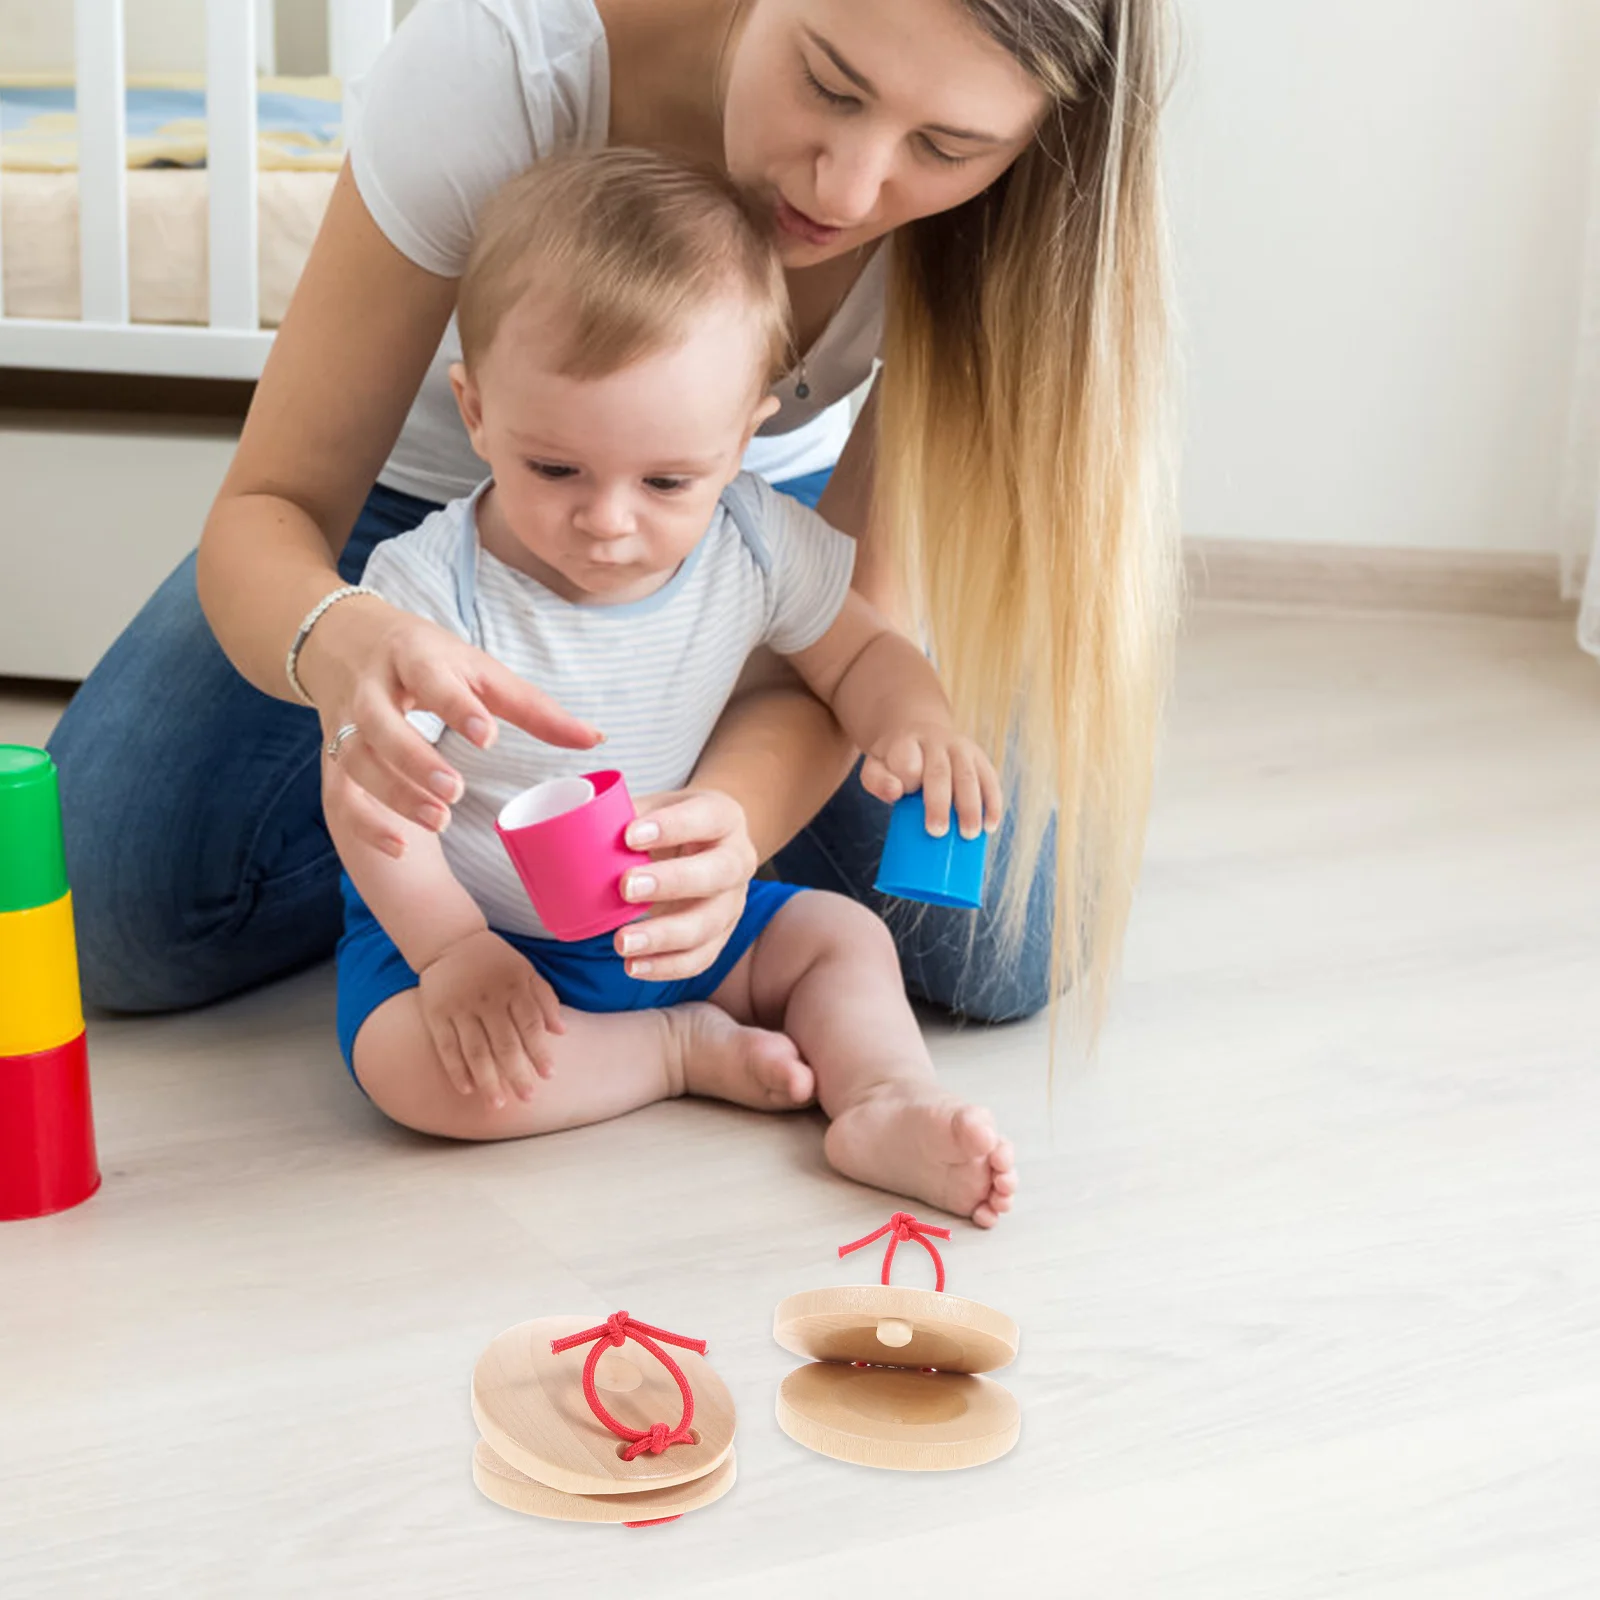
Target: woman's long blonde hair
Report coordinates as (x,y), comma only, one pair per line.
(1023,468)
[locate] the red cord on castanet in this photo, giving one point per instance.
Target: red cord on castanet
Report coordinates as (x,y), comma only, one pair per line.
(616,1330)
(901,1227)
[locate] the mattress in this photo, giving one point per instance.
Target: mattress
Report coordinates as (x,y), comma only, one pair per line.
(167,242)
(299,153)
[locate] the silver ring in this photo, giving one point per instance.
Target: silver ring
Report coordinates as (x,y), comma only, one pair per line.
(337,742)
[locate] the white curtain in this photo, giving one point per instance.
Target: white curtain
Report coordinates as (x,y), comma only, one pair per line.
(1580,509)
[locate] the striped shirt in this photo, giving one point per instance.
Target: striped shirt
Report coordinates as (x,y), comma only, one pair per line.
(653,675)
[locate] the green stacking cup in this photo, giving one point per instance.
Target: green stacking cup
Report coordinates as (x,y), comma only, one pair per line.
(33,868)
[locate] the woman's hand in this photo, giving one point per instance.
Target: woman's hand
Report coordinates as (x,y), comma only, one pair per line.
(367,664)
(703,861)
(490,1015)
(949,770)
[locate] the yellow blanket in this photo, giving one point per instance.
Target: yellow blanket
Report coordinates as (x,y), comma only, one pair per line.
(298,123)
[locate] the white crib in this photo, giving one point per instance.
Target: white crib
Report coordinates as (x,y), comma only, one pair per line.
(96,507)
(105,339)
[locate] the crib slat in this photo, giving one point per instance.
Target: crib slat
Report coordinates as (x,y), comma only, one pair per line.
(357,32)
(231,162)
(2,240)
(266,37)
(102,160)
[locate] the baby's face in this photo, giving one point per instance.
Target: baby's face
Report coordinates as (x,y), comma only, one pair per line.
(608,483)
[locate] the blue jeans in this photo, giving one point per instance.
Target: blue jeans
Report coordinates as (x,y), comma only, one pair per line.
(201,866)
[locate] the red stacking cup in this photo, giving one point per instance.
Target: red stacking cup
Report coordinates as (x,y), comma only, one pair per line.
(47,1154)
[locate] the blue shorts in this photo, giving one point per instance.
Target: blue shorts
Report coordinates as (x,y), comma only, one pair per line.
(588,975)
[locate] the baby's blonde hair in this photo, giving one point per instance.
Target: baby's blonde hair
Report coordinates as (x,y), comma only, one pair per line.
(630,244)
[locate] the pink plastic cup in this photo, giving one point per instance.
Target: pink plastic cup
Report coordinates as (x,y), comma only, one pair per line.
(565,838)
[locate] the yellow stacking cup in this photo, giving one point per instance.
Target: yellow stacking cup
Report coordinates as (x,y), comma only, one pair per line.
(40,1006)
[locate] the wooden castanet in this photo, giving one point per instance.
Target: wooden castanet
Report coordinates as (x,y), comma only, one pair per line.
(516,1491)
(896,1417)
(895,1327)
(530,1408)
(893,1376)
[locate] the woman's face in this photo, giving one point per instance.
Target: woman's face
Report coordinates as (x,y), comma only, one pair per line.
(854,118)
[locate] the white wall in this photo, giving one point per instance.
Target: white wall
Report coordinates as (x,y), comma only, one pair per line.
(1378,207)
(303,33)
(163,35)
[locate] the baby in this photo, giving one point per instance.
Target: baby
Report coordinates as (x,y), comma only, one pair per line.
(622,317)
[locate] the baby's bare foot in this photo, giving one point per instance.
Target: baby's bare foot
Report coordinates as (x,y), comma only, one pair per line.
(931,1146)
(749,1066)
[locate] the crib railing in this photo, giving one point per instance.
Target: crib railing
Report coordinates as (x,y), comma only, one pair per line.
(233,345)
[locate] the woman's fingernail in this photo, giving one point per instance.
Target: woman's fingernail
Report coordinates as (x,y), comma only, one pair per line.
(394,847)
(446,785)
(643,833)
(632,943)
(637,969)
(640,886)
(479,731)
(434,817)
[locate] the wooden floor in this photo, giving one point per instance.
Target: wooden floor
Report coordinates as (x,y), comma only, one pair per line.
(1307,1263)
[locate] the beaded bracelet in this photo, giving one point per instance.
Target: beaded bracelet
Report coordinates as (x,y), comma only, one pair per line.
(313,617)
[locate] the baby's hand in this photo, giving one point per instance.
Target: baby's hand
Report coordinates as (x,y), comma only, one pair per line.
(947,768)
(490,1015)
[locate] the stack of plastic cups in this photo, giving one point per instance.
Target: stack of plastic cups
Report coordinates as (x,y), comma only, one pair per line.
(47,1154)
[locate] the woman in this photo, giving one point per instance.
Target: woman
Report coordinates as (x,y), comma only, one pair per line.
(986,170)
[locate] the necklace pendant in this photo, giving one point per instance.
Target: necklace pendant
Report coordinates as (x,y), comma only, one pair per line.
(802,390)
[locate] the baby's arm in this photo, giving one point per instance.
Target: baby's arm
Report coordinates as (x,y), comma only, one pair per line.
(888,698)
(486,1007)
(415,897)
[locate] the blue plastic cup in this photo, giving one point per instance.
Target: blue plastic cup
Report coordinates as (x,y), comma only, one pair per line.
(939,872)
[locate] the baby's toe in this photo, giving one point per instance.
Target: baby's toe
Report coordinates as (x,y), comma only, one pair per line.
(973,1132)
(781,1072)
(799,1084)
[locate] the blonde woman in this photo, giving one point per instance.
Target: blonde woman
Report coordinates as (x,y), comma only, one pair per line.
(966,188)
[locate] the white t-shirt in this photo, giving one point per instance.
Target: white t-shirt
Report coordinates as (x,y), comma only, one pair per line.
(468,94)
(653,675)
